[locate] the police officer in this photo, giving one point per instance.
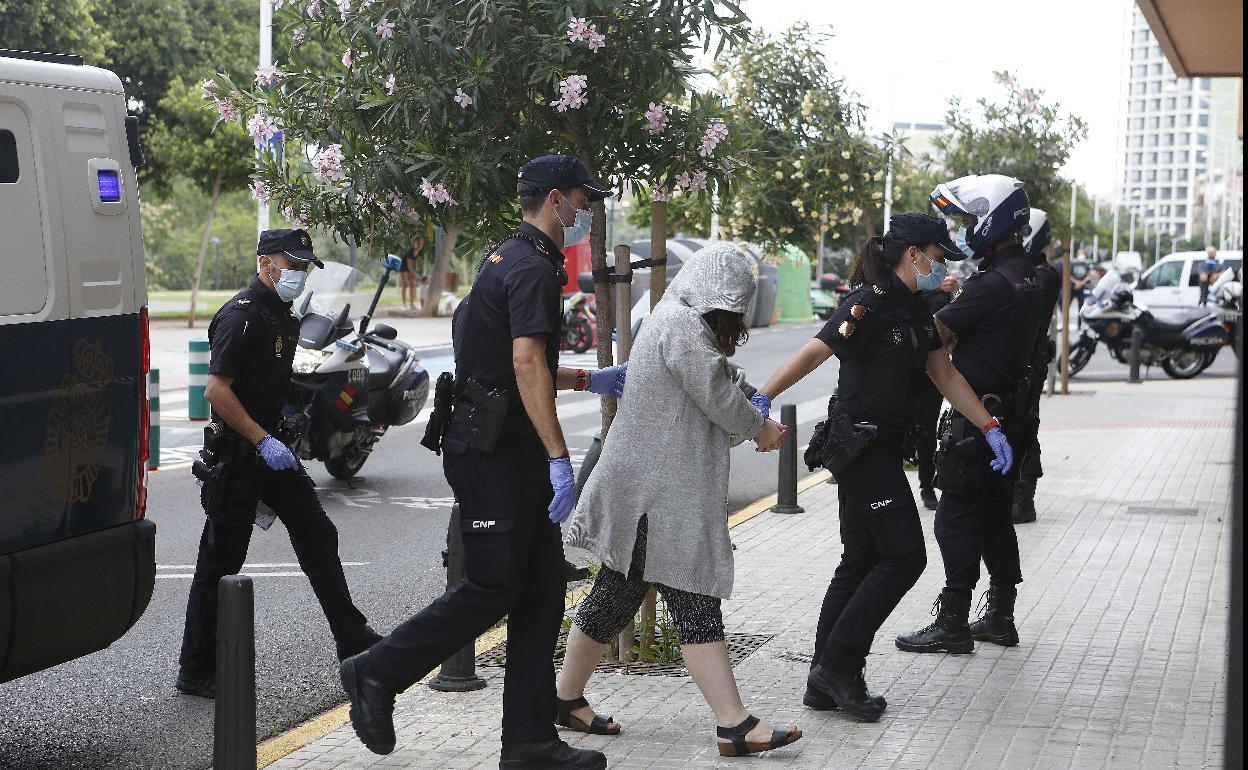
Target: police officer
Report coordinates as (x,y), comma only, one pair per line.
(930,399)
(991,326)
(505,458)
(885,339)
(1035,243)
(253,338)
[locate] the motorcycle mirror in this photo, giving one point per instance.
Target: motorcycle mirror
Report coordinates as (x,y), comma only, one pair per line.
(384,331)
(392,262)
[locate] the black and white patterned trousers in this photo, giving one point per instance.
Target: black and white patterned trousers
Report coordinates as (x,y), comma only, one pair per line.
(615,599)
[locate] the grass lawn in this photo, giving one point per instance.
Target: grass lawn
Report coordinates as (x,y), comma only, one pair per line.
(208,301)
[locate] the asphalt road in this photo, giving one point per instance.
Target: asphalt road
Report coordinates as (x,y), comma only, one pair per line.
(117,708)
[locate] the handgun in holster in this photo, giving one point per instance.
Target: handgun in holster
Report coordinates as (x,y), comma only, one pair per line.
(957,465)
(443,401)
(845,443)
(484,411)
(211,468)
(227,469)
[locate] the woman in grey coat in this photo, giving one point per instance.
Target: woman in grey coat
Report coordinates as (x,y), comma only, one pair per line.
(668,527)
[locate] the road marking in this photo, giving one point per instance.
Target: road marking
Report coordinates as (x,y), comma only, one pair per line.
(262,565)
(189,575)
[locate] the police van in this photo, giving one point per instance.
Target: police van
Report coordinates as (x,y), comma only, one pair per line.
(77,556)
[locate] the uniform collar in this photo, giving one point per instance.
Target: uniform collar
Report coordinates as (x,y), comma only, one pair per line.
(899,292)
(998,257)
(543,242)
(266,295)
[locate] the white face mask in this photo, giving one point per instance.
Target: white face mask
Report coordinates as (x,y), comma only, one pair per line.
(576,232)
(289,283)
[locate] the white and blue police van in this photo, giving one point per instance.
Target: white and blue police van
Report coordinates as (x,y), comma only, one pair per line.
(77,555)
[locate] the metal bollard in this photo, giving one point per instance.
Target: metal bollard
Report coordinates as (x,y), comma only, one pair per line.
(786,493)
(197,405)
(1137,341)
(153,420)
(234,733)
(458,672)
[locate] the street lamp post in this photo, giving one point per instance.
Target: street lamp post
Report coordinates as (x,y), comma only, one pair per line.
(266,60)
(216,272)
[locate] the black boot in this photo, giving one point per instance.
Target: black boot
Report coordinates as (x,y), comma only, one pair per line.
(948,633)
(372,705)
(846,689)
(550,754)
(1024,502)
(996,625)
(366,638)
(928,495)
(201,687)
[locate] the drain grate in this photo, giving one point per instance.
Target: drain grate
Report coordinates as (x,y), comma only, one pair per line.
(1160,510)
(794,656)
(739,647)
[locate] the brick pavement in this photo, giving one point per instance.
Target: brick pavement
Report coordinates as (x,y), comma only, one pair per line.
(1122,617)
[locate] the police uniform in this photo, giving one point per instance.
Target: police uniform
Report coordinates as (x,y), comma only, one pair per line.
(1030,467)
(996,315)
(930,399)
(252,339)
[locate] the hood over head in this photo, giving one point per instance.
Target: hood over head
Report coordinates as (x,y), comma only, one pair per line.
(717,277)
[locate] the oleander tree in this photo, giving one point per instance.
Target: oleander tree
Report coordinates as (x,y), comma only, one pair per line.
(435,104)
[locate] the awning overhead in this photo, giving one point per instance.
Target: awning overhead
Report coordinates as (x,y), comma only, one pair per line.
(1201,38)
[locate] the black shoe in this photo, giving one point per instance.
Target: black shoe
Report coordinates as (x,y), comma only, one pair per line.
(574,572)
(813,699)
(996,625)
(372,706)
(848,690)
(1024,503)
(928,495)
(200,688)
(362,641)
(948,633)
(550,754)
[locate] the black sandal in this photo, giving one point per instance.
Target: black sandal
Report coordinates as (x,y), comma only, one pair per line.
(740,747)
(599,725)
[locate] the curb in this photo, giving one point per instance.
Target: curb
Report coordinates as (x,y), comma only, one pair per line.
(290,741)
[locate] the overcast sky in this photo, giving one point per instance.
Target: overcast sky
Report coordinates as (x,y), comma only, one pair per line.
(918,54)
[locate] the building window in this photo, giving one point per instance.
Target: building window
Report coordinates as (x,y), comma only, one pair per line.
(1180,211)
(1205,84)
(1157,68)
(1137,124)
(1187,102)
(1164,193)
(1139,105)
(1154,104)
(1163,211)
(1170,103)
(1169,140)
(1154,122)
(1150,175)
(1167,157)
(1202,139)
(1135,175)
(1169,122)
(1153,140)
(1152,157)
(1201,120)
(1185,119)
(1180,193)
(1166,175)
(1137,158)
(1180,175)
(1180,230)
(1185,138)
(1150,194)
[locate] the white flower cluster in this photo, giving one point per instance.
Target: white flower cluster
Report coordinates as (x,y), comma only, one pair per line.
(261,127)
(267,77)
(580,30)
(328,164)
(436,193)
(571,93)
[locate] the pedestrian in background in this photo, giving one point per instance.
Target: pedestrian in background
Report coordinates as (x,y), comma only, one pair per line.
(409,271)
(1208,273)
(505,458)
(669,528)
(887,345)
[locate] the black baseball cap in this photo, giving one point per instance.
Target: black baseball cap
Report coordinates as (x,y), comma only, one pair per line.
(559,172)
(295,245)
(922,229)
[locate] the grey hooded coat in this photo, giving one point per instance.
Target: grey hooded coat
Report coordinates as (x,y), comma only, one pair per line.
(667,453)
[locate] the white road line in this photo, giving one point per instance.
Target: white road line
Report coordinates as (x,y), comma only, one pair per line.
(189,575)
(263,565)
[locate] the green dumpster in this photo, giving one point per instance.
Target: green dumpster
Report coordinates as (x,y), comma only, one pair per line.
(794,284)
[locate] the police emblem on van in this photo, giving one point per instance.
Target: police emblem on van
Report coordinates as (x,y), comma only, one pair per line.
(77,431)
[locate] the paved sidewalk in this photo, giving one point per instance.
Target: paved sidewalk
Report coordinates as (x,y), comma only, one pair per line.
(1122,616)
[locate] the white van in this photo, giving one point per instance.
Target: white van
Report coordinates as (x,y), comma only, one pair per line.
(1174,282)
(77,555)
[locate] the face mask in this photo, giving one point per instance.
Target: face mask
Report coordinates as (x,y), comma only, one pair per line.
(962,245)
(932,280)
(579,228)
(289,284)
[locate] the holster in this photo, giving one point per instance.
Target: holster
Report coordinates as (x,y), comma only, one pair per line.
(813,456)
(230,477)
(486,412)
(959,466)
(845,442)
(443,401)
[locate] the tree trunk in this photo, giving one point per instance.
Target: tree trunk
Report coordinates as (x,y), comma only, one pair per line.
(203,248)
(437,278)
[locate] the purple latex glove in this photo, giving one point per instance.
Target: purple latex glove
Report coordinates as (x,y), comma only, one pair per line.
(564,484)
(609,381)
(276,455)
(1003,458)
(762,403)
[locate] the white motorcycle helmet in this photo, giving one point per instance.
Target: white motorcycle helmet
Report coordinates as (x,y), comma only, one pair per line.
(998,204)
(1039,234)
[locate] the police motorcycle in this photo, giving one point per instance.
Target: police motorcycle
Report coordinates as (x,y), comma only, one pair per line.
(1184,344)
(350,384)
(580,329)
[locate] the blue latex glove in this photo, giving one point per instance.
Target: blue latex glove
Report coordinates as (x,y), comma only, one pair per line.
(564,484)
(762,403)
(609,381)
(276,455)
(1004,455)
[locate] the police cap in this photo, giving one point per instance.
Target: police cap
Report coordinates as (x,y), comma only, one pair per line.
(922,229)
(295,245)
(559,172)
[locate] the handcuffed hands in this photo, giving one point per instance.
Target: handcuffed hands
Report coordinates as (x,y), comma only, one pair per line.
(762,403)
(609,381)
(1003,458)
(770,437)
(276,455)
(564,484)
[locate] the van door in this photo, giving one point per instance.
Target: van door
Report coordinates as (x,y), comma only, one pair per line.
(1161,287)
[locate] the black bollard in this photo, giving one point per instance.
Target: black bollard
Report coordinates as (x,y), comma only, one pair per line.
(786,493)
(234,734)
(1137,342)
(458,672)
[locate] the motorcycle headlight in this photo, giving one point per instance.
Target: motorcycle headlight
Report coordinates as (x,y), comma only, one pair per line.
(306,361)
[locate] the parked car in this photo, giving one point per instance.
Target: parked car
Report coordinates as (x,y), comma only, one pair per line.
(1174,282)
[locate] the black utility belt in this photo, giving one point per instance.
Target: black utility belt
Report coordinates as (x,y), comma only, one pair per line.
(840,440)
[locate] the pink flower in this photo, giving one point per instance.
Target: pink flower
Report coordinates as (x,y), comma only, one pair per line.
(301,35)
(682,179)
(228,110)
(596,40)
(348,58)
(262,128)
(660,193)
(579,29)
(461,98)
(260,191)
(385,30)
(657,116)
(314,9)
(698,181)
(328,164)
(295,218)
(391,86)
(436,193)
(344,9)
(572,93)
(267,77)
(715,133)
(209,86)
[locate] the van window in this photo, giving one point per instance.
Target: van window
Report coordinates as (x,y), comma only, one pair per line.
(1167,274)
(8,157)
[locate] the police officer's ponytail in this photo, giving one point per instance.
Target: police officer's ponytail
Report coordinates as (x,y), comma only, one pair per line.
(877,258)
